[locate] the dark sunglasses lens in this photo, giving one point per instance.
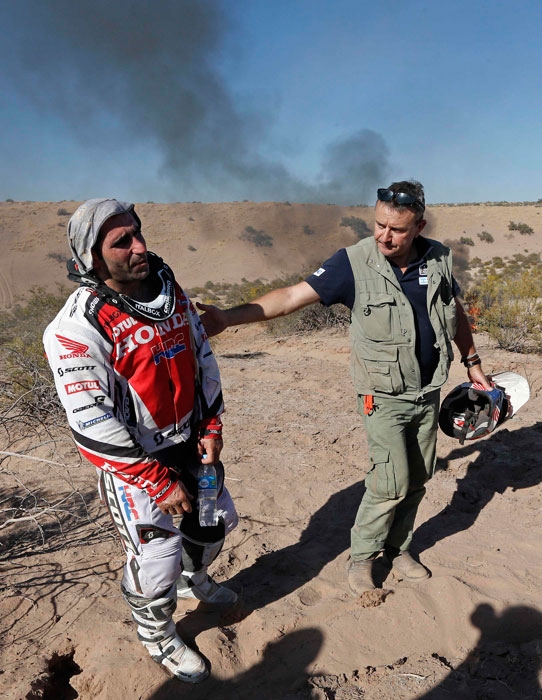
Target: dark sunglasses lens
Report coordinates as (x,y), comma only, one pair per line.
(384,195)
(403,198)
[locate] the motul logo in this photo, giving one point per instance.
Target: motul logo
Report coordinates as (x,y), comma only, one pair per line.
(89,385)
(75,349)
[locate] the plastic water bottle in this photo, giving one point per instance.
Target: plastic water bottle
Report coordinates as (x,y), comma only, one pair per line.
(207,494)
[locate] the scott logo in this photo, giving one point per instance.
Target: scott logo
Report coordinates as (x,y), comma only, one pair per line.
(61,371)
(75,349)
(89,385)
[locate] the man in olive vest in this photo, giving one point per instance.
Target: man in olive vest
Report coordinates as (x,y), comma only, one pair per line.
(405,315)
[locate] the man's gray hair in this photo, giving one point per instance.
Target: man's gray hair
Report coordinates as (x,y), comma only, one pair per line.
(86,222)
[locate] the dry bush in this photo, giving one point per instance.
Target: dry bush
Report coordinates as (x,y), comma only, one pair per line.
(508,305)
(311,318)
(28,398)
(524,229)
(259,238)
(32,420)
(358,225)
(486,237)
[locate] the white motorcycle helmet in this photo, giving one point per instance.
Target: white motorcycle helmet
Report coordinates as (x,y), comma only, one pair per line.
(470,412)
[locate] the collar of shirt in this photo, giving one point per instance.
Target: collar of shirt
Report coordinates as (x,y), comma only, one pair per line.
(422,248)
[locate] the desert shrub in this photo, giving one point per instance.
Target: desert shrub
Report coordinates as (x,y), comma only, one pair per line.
(28,395)
(62,212)
(466,240)
(311,318)
(509,236)
(509,306)
(191,248)
(523,229)
(259,238)
(475,262)
(486,237)
(10,200)
(308,230)
(357,225)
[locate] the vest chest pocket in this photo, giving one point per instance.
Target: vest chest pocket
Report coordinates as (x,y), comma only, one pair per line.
(375,315)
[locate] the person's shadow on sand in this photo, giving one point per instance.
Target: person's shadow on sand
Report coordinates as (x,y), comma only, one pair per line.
(505,460)
(276,574)
(505,663)
(282,674)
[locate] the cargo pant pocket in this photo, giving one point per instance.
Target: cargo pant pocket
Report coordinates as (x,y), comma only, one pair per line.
(381,478)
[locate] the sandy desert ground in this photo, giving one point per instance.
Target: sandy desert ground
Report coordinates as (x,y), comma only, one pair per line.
(296,457)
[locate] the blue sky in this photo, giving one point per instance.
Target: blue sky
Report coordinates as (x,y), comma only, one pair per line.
(271,100)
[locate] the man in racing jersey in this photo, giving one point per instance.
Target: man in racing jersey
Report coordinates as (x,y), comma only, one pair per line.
(141,388)
(402,294)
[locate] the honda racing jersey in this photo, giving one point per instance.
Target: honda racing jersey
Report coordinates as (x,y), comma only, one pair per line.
(128,384)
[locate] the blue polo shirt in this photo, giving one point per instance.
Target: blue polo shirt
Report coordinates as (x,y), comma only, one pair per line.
(334,284)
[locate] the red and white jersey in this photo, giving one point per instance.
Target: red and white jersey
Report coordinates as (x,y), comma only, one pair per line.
(128,384)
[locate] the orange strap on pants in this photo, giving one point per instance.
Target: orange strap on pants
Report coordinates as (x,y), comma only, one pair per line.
(368,404)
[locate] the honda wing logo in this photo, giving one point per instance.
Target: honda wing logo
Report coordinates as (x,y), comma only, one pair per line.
(75,349)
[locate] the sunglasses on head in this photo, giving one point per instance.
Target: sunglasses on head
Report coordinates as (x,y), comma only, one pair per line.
(401,198)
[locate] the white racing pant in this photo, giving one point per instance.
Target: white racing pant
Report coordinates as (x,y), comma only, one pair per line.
(152,543)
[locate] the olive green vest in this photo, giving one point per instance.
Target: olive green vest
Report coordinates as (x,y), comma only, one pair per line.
(382,331)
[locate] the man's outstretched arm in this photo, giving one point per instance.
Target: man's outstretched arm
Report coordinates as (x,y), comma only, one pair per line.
(279,302)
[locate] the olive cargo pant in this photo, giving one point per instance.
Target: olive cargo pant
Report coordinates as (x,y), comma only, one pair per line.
(402,437)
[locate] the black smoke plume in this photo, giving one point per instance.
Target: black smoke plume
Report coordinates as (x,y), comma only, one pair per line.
(132,72)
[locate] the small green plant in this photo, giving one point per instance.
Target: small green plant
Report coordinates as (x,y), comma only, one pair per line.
(486,237)
(191,247)
(259,238)
(475,262)
(357,225)
(63,212)
(523,229)
(308,230)
(466,240)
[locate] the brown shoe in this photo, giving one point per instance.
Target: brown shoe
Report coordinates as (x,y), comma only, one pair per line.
(360,576)
(407,567)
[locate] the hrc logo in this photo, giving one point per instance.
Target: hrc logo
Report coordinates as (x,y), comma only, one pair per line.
(128,503)
(168,349)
